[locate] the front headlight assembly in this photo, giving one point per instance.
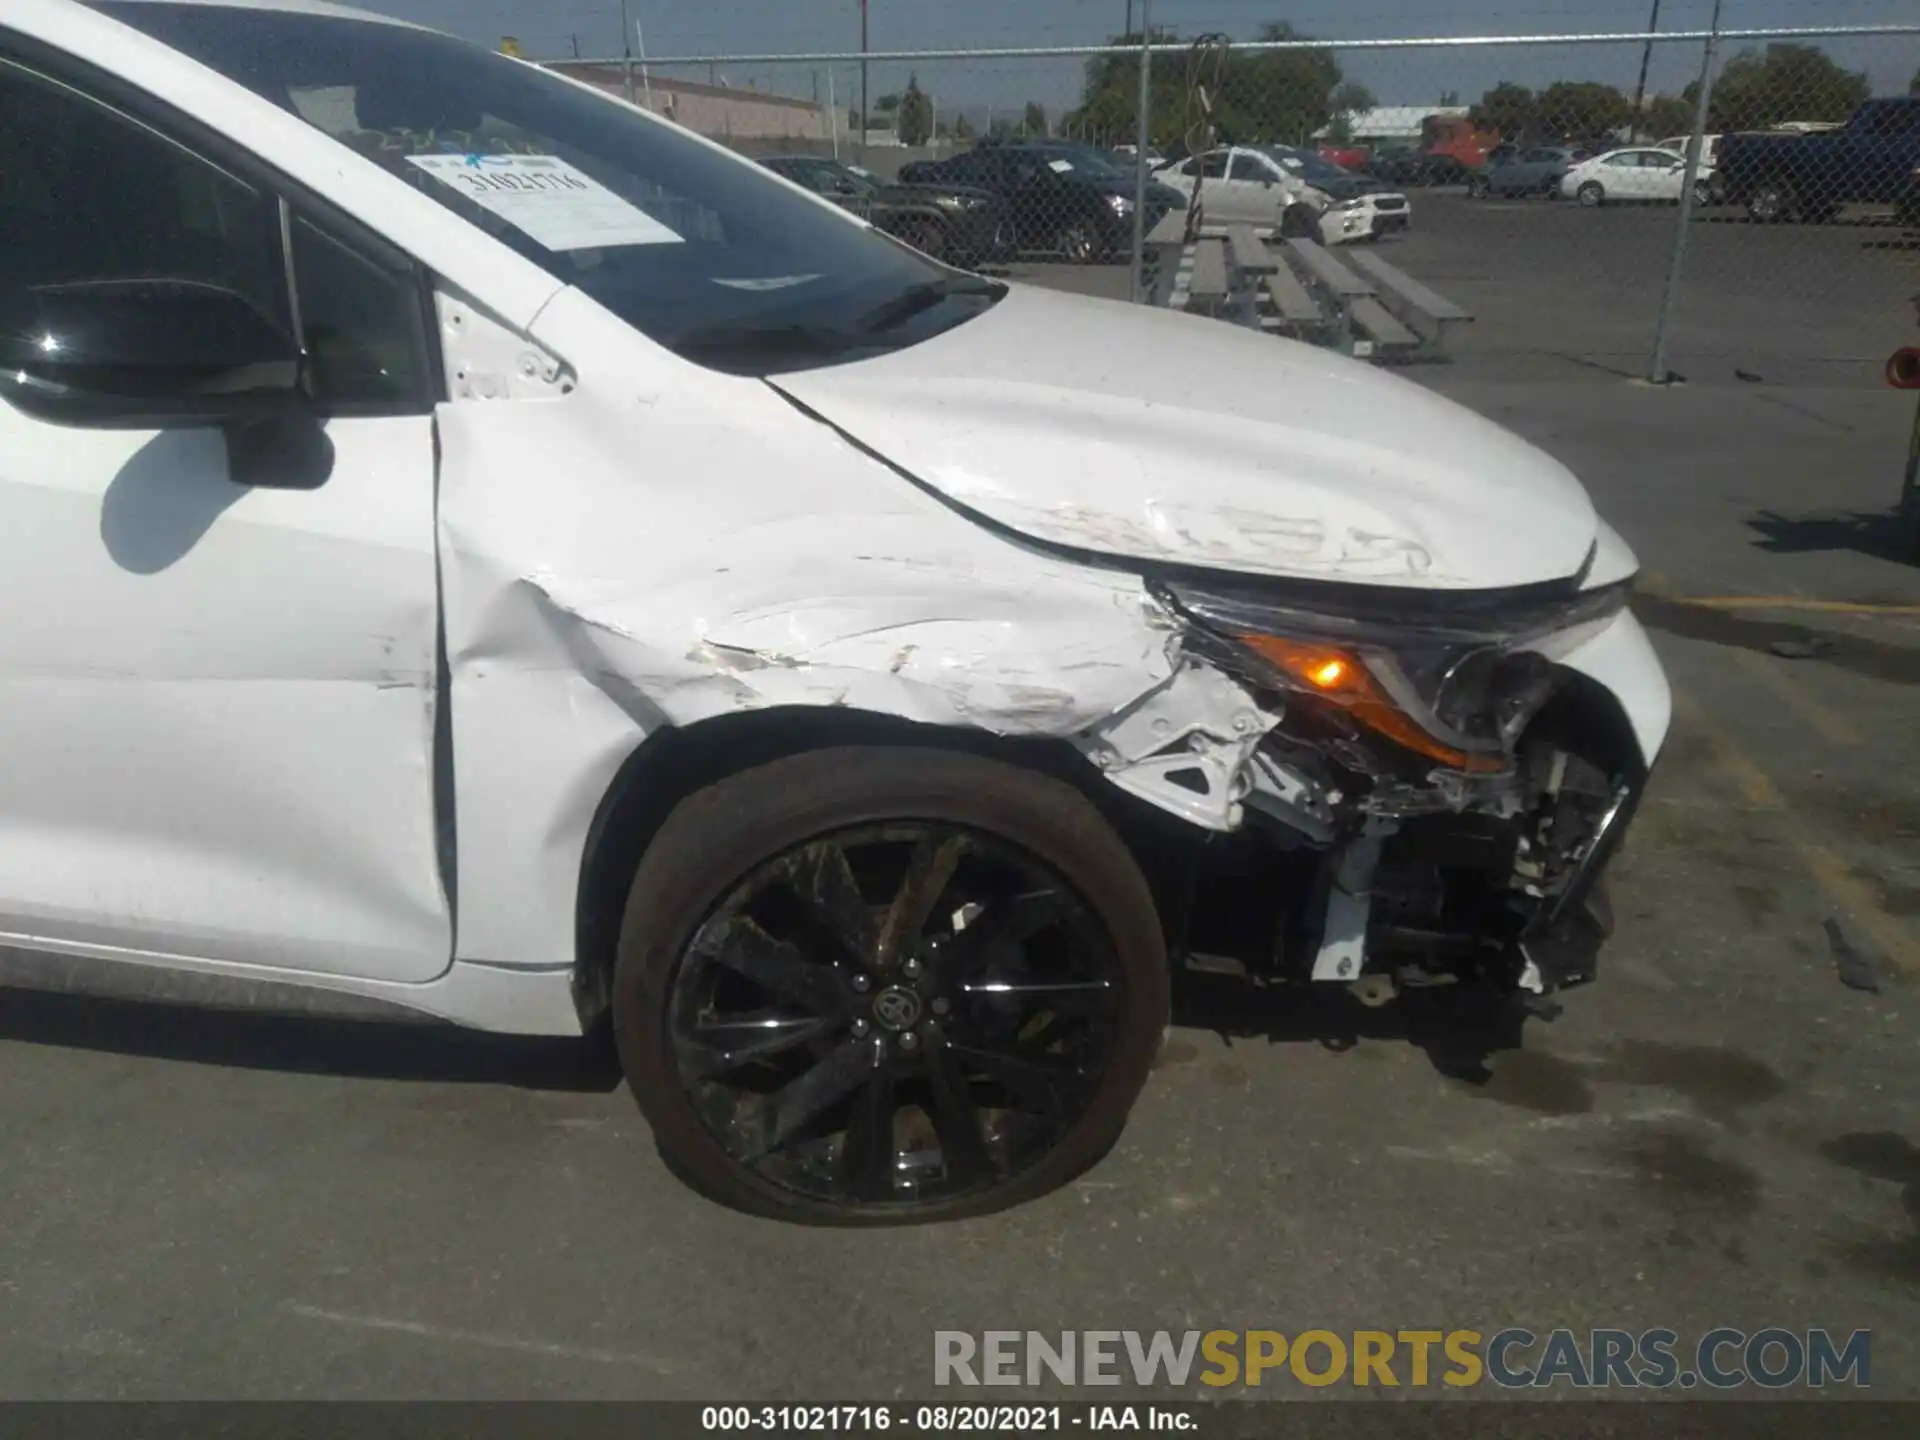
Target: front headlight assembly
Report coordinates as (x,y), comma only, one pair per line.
(1450,680)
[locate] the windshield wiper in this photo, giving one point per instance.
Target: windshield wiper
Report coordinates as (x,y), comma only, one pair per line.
(924,296)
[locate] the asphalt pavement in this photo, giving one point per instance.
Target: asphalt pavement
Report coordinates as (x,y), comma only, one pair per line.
(1718,1132)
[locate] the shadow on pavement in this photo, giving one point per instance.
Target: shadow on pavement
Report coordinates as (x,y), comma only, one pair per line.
(1866,532)
(1457,1027)
(308,1045)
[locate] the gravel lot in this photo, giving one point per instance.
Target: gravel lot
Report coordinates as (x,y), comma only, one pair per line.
(1717,1133)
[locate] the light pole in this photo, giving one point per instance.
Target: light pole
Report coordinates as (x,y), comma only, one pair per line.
(1143,131)
(1646,54)
(626,47)
(1129,29)
(863,79)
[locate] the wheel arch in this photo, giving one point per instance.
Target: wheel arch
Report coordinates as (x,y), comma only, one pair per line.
(672,764)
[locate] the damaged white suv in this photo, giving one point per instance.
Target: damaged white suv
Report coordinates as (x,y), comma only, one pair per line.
(472,545)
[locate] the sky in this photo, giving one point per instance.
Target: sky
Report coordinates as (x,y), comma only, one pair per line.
(552,28)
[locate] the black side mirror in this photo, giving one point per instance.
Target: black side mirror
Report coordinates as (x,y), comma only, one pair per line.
(155,352)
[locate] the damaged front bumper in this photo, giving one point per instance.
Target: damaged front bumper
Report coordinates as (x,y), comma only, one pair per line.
(1403,798)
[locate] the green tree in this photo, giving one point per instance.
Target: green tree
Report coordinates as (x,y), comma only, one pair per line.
(1913,85)
(1034,120)
(1449,98)
(1277,95)
(886,105)
(1666,115)
(914,121)
(1507,108)
(1582,109)
(1284,96)
(1351,98)
(963,128)
(1785,82)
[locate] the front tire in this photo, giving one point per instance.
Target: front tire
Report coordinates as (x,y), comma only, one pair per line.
(1299,222)
(1769,204)
(1478,187)
(870,986)
(929,237)
(1078,242)
(1591,194)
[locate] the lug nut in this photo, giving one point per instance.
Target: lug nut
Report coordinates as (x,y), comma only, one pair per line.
(861,983)
(940,1006)
(860,1027)
(908,1040)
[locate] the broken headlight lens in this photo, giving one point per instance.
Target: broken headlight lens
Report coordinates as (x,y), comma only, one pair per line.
(1455,678)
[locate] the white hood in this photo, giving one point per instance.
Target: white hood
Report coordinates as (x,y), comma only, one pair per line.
(1139,432)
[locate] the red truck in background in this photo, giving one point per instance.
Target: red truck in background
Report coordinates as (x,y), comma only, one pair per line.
(1458,136)
(1454,136)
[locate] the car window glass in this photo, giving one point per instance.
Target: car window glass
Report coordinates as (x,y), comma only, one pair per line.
(1246,167)
(1213,166)
(90,194)
(360,321)
(696,248)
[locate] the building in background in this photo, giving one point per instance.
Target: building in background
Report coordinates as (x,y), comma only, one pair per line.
(1393,127)
(719,112)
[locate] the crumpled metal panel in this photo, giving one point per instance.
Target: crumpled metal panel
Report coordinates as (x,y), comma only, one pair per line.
(616,563)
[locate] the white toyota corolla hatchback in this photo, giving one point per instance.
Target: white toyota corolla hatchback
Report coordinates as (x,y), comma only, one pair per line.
(468,544)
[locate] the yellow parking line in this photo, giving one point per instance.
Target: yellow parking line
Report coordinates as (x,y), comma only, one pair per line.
(1828,872)
(1834,729)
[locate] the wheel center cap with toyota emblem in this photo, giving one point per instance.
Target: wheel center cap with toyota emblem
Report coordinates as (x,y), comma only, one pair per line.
(896,1008)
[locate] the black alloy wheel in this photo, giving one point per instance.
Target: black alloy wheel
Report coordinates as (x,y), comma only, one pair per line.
(1769,204)
(928,236)
(922,985)
(1078,242)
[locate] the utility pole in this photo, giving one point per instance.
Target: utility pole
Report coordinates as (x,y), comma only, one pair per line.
(1141,137)
(863,79)
(1646,55)
(626,47)
(1129,29)
(646,81)
(1670,300)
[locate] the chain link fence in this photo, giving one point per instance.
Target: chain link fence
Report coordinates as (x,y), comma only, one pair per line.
(1689,202)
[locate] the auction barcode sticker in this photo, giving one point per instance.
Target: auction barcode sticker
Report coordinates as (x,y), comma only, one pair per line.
(558,205)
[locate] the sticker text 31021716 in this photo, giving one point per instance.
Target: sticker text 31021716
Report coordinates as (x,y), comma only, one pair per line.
(560,206)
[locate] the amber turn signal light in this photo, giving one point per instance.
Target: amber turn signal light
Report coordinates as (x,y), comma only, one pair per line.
(1346,681)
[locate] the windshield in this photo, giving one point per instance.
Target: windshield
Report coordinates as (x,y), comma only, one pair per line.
(1305,162)
(705,253)
(1085,158)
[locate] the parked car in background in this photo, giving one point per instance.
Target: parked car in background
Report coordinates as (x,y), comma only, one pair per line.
(1636,173)
(1292,192)
(1125,154)
(1709,146)
(1421,171)
(962,224)
(1869,161)
(1534,171)
(1071,200)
